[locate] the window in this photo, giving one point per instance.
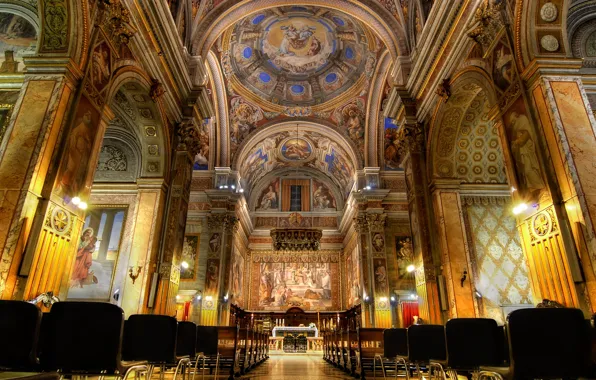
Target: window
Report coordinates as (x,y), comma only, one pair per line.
(295,198)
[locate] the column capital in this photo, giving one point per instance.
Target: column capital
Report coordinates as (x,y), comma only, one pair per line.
(411,139)
(376,222)
(188,137)
(360,223)
(221,221)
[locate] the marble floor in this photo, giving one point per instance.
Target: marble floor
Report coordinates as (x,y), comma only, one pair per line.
(296,367)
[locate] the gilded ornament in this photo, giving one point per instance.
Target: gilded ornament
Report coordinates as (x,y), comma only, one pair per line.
(55,32)
(549,43)
(60,220)
(542,224)
(549,12)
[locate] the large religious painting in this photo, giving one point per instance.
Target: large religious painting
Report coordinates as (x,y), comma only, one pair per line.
(269,198)
(79,145)
(97,254)
(237,276)
(296,149)
(309,281)
(189,260)
(18,39)
(524,149)
(353,278)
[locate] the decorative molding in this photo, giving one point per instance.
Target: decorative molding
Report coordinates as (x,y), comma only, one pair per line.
(188,137)
(292,257)
(55,26)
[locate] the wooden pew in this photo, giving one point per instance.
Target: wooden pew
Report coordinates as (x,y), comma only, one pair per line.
(227,346)
(370,343)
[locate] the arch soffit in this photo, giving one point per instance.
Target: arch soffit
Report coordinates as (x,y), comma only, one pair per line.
(25,11)
(466,86)
(527,27)
(386,27)
(372,143)
(146,117)
(221,111)
(335,138)
(264,181)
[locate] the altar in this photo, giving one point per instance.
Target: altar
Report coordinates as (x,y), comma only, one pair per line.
(295,339)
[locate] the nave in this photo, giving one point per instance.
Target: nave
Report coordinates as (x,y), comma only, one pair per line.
(296,367)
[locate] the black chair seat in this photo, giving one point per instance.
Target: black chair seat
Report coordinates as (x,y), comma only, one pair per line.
(19,324)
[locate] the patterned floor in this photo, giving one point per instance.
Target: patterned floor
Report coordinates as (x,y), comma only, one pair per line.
(296,367)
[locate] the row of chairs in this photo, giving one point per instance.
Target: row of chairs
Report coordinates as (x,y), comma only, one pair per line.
(88,338)
(534,344)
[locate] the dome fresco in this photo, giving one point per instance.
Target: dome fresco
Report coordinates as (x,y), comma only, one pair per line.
(298,56)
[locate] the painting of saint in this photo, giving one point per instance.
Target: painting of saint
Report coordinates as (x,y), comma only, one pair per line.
(299,44)
(269,199)
(405,255)
(18,38)
(296,150)
(524,151)
(378,242)
(380,276)
(101,66)
(350,117)
(212,277)
(202,157)
(215,242)
(243,119)
(75,164)
(503,70)
(97,254)
(391,152)
(237,276)
(322,197)
(189,258)
(354,283)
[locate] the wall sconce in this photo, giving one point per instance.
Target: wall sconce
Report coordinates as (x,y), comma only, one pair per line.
(463,278)
(116,295)
(410,268)
(134,272)
(478,295)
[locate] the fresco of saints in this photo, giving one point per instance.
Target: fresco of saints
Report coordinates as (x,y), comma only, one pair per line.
(77,160)
(84,258)
(101,66)
(524,152)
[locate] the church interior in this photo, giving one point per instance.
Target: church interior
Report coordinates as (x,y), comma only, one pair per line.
(266,188)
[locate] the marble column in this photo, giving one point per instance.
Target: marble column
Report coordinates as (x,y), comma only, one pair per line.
(362,244)
(568,126)
(454,249)
(26,157)
(175,217)
(419,206)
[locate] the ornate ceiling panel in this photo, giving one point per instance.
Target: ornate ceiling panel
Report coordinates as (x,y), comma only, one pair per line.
(298,56)
(310,146)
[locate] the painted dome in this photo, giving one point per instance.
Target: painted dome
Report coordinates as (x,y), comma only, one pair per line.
(298,56)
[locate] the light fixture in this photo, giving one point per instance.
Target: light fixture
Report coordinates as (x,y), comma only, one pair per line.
(83,206)
(520,208)
(392,299)
(199,297)
(478,295)
(367,188)
(414,296)
(513,189)
(233,186)
(410,268)
(75,201)
(184,265)
(177,297)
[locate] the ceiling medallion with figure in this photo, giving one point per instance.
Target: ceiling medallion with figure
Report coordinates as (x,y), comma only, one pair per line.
(298,56)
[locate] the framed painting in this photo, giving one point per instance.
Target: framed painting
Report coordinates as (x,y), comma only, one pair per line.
(189,260)
(97,253)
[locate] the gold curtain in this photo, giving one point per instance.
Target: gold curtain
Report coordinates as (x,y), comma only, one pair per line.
(304,193)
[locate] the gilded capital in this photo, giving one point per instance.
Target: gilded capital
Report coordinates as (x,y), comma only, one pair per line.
(411,139)
(188,137)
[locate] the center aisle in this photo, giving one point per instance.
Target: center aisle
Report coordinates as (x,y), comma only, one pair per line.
(296,367)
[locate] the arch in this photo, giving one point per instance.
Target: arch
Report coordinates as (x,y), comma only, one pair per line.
(460,133)
(221,112)
(367,11)
(267,179)
(373,111)
(128,96)
(330,152)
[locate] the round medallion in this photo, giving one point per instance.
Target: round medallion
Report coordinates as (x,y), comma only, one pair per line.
(296,149)
(542,224)
(549,43)
(60,220)
(549,12)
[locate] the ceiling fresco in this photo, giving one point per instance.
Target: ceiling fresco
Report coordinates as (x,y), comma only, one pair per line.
(298,56)
(306,146)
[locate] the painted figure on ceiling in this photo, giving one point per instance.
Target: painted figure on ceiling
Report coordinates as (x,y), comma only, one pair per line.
(269,200)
